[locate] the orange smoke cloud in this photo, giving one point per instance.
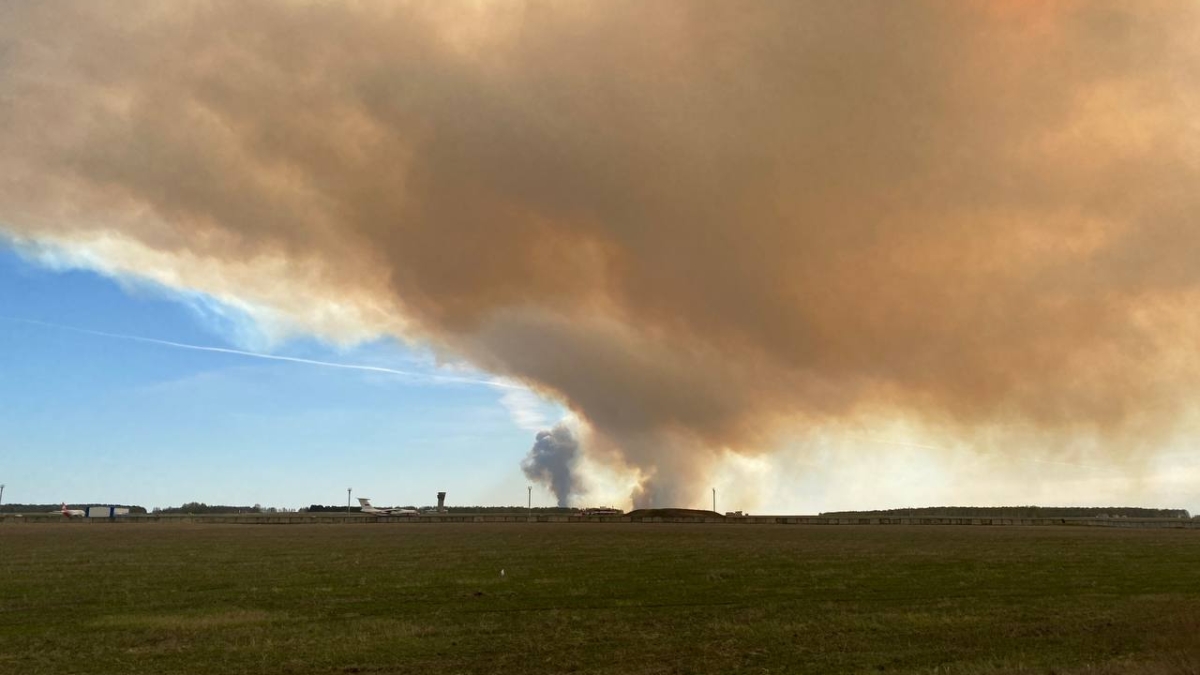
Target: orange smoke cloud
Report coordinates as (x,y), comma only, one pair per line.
(702,227)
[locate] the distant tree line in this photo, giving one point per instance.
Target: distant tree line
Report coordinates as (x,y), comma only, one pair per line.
(200,508)
(550,510)
(43,508)
(1019,512)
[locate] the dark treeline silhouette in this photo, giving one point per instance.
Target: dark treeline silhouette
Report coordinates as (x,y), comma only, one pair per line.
(318,508)
(1019,512)
(43,508)
(553,510)
(200,508)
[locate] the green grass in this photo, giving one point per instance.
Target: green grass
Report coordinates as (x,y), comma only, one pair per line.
(596,598)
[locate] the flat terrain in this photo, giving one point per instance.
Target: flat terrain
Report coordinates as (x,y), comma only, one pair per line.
(596,598)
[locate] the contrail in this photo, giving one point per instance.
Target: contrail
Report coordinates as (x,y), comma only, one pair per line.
(272,357)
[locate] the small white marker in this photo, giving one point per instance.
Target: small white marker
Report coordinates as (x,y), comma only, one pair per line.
(501,572)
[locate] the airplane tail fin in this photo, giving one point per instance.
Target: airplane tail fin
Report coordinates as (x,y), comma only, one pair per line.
(364,502)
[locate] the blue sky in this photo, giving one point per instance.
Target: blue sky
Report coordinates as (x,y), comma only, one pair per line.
(89,418)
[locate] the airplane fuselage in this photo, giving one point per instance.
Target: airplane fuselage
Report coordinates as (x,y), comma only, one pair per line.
(365,507)
(390,512)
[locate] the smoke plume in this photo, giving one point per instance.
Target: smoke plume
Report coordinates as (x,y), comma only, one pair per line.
(704,227)
(551,462)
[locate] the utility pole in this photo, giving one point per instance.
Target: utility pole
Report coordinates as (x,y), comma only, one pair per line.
(714,500)
(530,507)
(1,494)
(348,501)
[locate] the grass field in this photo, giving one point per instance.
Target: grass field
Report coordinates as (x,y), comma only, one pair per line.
(596,598)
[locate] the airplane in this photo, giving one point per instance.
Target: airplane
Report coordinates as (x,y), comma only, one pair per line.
(71,513)
(365,503)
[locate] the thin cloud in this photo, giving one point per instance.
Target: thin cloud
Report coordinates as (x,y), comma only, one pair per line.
(493,383)
(526,409)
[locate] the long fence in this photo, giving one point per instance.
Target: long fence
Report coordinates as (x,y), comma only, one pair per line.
(353,519)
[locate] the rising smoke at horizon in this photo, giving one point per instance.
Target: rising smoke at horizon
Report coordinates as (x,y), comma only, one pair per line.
(552,462)
(704,227)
